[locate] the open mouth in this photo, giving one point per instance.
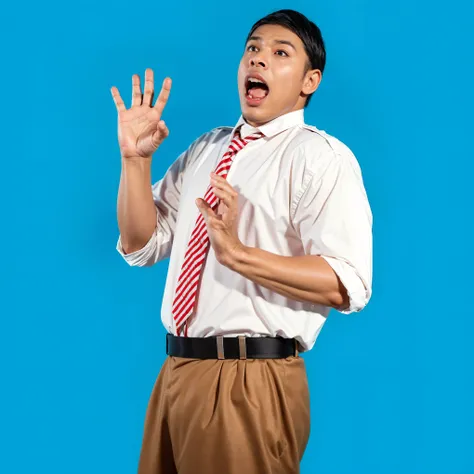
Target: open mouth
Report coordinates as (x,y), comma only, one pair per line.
(256,89)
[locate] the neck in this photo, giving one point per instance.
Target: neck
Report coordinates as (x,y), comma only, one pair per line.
(254,123)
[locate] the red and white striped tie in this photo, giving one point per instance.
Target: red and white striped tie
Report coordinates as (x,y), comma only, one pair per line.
(187,287)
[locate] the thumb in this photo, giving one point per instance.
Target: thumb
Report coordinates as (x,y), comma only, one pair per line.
(161,133)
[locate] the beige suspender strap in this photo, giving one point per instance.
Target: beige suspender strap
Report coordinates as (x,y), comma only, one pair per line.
(242,347)
(220,347)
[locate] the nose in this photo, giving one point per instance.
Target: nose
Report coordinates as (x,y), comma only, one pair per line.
(258,59)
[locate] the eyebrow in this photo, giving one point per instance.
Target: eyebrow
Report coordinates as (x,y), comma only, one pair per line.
(259,38)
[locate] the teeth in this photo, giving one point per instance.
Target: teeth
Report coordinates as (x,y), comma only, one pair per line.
(252,79)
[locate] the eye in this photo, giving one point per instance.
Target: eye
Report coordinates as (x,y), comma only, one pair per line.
(281,51)
(249,48)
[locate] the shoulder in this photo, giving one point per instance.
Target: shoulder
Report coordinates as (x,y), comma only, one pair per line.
(319,149)
(214,136)
(217,134)
(315,141)
(206,142)
(224,130)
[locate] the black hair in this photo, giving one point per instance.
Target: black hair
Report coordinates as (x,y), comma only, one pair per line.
(306,30)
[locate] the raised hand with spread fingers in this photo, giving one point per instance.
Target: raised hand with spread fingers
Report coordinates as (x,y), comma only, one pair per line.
(140,128)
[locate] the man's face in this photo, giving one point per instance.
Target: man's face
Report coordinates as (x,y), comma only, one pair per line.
(275,56)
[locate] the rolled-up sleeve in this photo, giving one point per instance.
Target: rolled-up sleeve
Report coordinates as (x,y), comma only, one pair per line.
(333,219)
(166,193)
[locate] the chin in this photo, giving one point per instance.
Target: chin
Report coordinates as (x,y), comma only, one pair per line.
(258,115)
(255,119)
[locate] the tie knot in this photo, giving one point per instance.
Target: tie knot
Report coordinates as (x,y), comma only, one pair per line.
(253,136)
(239,143)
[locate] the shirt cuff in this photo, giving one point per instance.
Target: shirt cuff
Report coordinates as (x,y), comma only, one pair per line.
(142,257)
(358,293)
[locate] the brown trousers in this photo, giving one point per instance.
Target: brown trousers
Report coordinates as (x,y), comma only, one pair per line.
(230,416)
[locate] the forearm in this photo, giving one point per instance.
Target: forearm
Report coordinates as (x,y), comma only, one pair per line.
(306,278)
(136,210)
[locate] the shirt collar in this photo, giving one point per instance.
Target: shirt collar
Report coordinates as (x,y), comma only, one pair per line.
(272,128)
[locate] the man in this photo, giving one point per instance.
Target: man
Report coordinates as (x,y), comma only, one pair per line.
(268,227)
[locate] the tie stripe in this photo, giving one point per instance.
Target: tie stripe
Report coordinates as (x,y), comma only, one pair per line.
(187,287)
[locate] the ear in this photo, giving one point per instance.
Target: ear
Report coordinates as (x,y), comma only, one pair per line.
(311,81)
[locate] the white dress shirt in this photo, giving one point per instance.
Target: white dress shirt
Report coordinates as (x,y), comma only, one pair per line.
(301,192)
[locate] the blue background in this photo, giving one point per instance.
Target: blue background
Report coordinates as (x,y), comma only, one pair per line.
(81,341)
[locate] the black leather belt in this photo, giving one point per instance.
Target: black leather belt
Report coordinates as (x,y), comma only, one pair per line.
(240,347)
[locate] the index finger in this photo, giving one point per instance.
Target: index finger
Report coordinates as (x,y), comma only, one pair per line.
(163,97)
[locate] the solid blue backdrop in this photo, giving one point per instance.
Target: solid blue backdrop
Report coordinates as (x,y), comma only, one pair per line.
(81,336)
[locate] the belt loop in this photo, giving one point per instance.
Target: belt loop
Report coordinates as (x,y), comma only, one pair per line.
(242,347)
(296,347)
(220,347)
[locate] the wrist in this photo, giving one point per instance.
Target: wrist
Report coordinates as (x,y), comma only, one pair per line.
(137,162)
(238,256)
